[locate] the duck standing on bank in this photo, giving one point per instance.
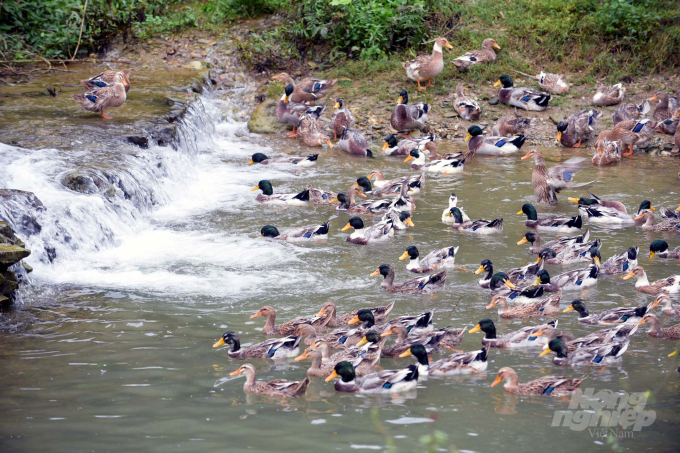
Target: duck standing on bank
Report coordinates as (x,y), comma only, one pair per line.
(427,67)
(100,99)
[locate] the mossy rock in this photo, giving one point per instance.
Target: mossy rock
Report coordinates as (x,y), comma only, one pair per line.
(80,182)
(11,254)
(263,119)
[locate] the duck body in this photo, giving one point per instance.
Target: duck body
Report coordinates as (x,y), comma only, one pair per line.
(523,98)
(382,382)
(423,285)
(577,279)
(427,67)
(407,117)
(290,199)
(620,263)
(353,142)
(648,216)
(473,362)
(558,245)
(306,233)
(381,231)
(607,153)
(274,348)
(492,146)
(602,214)
(549,306)
(447,217)
(656,331)
(436,259)
(522,338)
(451,164)
(608,317)
(297,161)
(341,118)
(554,224)
(510,125)
(100,99)
(280,388)
(478,226)
(670,285)
(577,127)
(310,131)
(630,112)
(392,147)
(543,192)
(546,385)
(466,107)
(393,187)
(605,354)
(308,90)
(552,83)
(106,79)
(486,54)
(606,96)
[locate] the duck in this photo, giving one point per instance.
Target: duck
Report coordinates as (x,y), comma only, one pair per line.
(450,165)
(346,201)
(621,262)
(474,57)
(668,126)
(596,213)
(574,253)
(290,113)
(552,83)
(612,316)
(478,226)
(310,131)
(446,214)
(667,307)
(523,98)
(648,216)
(485,266)
(466,107)
(605,354)
(432,341)
(422,323)
(363,358)
(500,285)
(669,285)
(662,110)
(101,99)
(545,385)
(472,362)
(392,187)
(660,248)
(306,233)
(553,224)
(558,245)
(341,118)
(656,331)
(579,278)
(606,153)
(290,199)
(392,147)
(436,259)
(308,90)
(522,338)
(579,126)
(328,313)
(623,134)
(343,337)
(630,112)
(510,125)
(427,67)
(353,142)
(672,214)
(542,281)
(619,333)
(408,117)
(299,161)
(381,231)
(515,275)
(280,388)
(401,220)
(288,327)
(382,382)
(274,348)
(107,79)
(543,192)
(422,285)
(609,95)
(645,128)
(402,202)
(321,196)
(547,307)
(493,146)
(594,200)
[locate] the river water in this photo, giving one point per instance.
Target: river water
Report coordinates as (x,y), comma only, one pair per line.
(110,347)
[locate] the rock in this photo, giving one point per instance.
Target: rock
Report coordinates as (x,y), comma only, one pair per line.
(23,206)
(4,301)
(164,135)
(451,115)
(494,101)
(80,182)
(11,254)
(7,235)
(196,65)
(27,267)
(554,119)
(263,119)
(138,140)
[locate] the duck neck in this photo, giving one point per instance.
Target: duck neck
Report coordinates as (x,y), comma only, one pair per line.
(437,52)
(654,325)
(269,325)
(649,221)
(316,363)
(489,273)
(414,263)
(490,333)
(389,279)
(475,142)
(642,280)
(250,381)
(325,351)
(234,345)
(401,336)
(379,177)
(511,381)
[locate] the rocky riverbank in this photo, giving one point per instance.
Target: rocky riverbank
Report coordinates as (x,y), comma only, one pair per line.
(12,268)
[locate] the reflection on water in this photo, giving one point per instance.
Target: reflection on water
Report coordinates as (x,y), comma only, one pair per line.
(112,350)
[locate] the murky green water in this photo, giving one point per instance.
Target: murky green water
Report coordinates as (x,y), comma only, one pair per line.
(114,352)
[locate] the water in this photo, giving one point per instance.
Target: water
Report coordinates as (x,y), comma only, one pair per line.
(110,348)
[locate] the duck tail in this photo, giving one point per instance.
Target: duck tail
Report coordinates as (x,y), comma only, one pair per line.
(519,141)
(303,196)
(313,157)
(369,154)
(302,388)
(576,222)
(543,100)
(324,228)
(497,223)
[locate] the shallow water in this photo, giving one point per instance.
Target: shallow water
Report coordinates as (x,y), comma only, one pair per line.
(110,349)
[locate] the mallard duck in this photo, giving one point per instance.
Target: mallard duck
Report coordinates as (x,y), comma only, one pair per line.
(605,354)
(546,385)
(523,98)
(328,313)
(672,214)
(606,153)
(579,126)
(558,245)
(473,362)
(645,128)
(392,187)
(660,248)
(310,232)
(288,112)
(547,307)
(278,387)
(427,67)
(401,202)
(407,117)
(543,283)
(500,285)
(648,216)
(609,95)
(662,110)
(510,125)
(630,112)
(347,201)
(307,90)
(623,134)
(364,359)
(655,329)
(466,107)
(288,327)
(594,200)
(554,224)
(392,147)
(349,336)
(321,196)
(667,307)
(668,126)
(417,324)
(620,263)
(298,161)
(341,118)
(572,254)
(477,56)
(596,213)
(485,266)
(401,220)
(274,348)
(607,317)
(106,79)
(522,338)
(388,381)
(436,259)
(515,275)
(579,278)
(353,142)
(446,215)
(450,165)
(422,285)
(310,131)
(479,226)
(553,83)
(493,146)
(619,333)
(668,285)
(291,199)
(432,340)
(547,183)
(379,232)
(100,99)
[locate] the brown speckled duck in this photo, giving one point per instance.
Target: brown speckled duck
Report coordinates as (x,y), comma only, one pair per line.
(427,67)
(668,285)
(407,117)
(546,385)
(606,153)
(422,285)
(579,126)
(666,225)
(510,125)
(288,327)
(477,56)
(466,107)
(308,90)
(655,329)
(630,112)
(100,99)
(353,142)
(341,118)
(605,96)
(279,388)
(329,313)
(107,78)
(310,131)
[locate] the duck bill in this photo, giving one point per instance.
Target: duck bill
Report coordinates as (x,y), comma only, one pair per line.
(448,214)
(385,147)
(654,304)
(497,84)
(337,105)
(449,46)
(638,217)
(520,213)
(526,156)
(544,353)
(629,276)
(468,136)
(406,353)
(362,342)
(235,373)
(356,184)
(346,227)
(256,315)
(653,98)
(559,136)
(538,260)
(331,376)
(386,333)
(479,270)
(361,194)
(596,260)
(408,159)
(330,145)
(674,353)
(354,320)
(491,305)
(370,175)
(374,274)
(654,209)
(476,328)
(410,222)
(651,254)
(400,100)
(537,281)
(251,162)
(334,200)
(301,357)
(523,241)
(321,313)
(538,334)
(255,188)
(403,256)
(573,200)
(497,46)
(496,381)
(509,285)
(568,309)
(219,343)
